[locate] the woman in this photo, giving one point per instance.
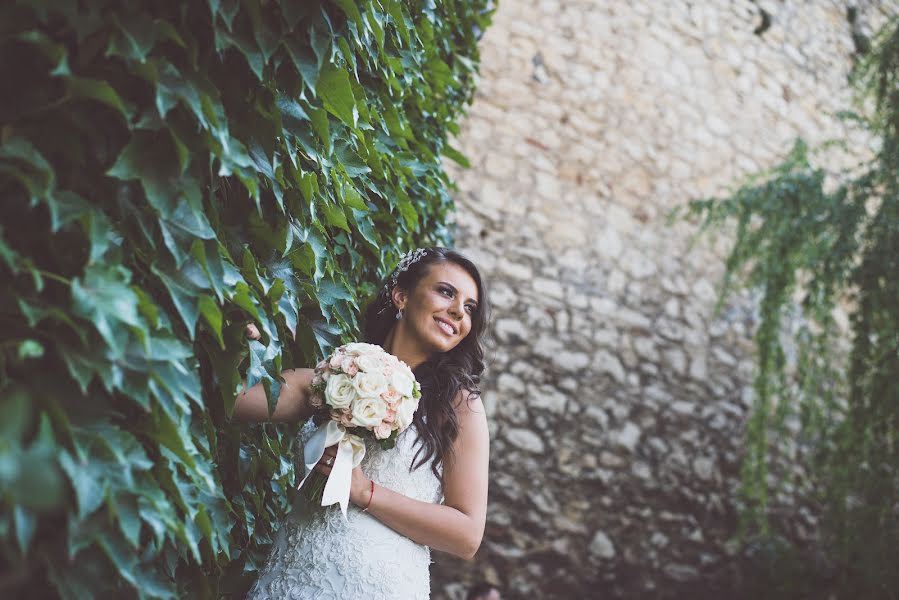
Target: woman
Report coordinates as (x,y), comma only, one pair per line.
(431,313)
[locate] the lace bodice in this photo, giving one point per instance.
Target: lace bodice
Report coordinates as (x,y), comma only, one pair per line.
(318,555)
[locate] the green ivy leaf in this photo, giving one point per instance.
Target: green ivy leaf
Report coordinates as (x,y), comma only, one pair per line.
(457,156)
(334,215)
(213,316)
(103,297)
(337,94)
(101,91)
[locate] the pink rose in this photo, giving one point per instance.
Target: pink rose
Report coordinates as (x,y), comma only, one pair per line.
(336,361)
(348,366)
(391,416)
(391,395)
(343,416)
(383,431)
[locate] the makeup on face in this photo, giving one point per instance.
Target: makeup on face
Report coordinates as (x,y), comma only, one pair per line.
(442,305)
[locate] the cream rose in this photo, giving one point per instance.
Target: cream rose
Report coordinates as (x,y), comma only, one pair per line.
(369,363)
(360,348)
(370,385)
(340,391)
(402,382)
(405,410)
(368,412)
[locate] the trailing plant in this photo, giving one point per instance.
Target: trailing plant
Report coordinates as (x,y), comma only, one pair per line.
(829,236)
(169,172)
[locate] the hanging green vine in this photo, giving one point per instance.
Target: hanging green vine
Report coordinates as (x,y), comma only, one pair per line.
(837,247)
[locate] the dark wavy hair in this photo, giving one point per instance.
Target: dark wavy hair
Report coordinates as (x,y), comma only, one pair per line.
(444,374)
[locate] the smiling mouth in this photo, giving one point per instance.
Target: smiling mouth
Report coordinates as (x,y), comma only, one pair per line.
(446,327)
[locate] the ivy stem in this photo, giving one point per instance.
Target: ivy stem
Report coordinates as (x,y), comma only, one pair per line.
(54,277)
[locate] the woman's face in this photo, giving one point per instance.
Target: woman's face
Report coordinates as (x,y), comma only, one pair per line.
(438,312)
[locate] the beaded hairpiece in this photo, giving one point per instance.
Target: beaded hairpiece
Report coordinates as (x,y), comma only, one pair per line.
(408,259)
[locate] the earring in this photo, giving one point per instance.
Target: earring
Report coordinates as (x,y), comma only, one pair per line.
(399,314)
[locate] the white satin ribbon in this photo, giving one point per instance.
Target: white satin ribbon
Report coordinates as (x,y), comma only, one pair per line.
(350,452)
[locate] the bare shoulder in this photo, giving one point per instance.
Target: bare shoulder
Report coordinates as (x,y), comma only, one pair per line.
(468,405)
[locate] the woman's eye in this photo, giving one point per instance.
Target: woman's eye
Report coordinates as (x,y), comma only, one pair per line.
(447,291)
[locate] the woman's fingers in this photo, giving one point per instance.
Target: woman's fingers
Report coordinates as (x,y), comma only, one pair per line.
(252,332)
(327,460)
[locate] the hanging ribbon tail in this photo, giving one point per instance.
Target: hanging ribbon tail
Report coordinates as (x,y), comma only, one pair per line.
(350,452)
(326,435)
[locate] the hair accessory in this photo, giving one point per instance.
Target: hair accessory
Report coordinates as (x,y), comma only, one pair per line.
(407,260)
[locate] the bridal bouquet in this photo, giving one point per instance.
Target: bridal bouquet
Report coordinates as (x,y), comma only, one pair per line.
(362,392)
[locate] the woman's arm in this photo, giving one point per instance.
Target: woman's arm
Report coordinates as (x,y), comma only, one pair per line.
(457,525)
(293,400)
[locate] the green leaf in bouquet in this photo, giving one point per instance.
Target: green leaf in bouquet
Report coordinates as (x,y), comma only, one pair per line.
(390,442)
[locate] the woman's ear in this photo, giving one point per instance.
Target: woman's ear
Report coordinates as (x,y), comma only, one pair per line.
(398,296)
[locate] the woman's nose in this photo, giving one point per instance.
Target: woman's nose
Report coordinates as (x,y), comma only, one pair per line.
(456,310)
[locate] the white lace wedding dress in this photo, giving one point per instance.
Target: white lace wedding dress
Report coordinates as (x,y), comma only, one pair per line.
(317,555)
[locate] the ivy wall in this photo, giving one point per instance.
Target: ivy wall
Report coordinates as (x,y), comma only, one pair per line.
(170,171)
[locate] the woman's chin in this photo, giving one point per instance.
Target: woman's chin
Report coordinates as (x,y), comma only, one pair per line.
(448,345)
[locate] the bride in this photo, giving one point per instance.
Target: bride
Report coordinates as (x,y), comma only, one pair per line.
(430,490)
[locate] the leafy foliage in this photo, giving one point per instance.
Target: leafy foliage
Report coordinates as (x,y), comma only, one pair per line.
(834,246)
(170,171)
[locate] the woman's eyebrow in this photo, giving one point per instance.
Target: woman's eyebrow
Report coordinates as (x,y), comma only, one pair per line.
(456,291)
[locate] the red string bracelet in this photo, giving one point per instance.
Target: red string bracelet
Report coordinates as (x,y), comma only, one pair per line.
(370,496)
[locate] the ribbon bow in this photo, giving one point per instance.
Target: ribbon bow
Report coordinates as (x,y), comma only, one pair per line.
(350,452)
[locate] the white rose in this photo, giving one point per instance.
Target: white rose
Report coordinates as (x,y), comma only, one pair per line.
(402,382)
(340,392)
(359,348)
(370,385)
(368,412)
(369,363)
(405,410)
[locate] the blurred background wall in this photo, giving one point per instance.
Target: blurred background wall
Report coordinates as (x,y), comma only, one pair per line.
(617,397)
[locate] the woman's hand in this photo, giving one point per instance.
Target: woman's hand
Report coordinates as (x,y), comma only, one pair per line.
(327,460)
(360,486)
(252,332)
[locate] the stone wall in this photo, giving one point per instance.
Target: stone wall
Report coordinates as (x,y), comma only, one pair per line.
(617,397)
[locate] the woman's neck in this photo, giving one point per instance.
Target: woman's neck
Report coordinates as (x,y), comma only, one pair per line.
(403,348)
